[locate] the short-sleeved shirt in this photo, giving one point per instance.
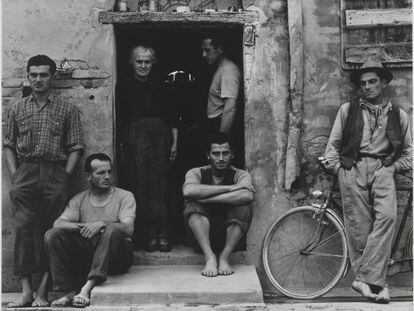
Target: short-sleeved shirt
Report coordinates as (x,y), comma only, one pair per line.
(48,132)
(120,208)
(241,177)
(225,84)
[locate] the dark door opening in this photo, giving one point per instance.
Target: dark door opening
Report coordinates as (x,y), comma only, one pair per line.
(178,48)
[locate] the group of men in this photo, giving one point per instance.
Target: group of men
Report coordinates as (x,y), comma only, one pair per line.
(77,242)
(90,236)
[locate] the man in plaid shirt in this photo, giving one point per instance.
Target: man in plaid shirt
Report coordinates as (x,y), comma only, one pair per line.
(42,146)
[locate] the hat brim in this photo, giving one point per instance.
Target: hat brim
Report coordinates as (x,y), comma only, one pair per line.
(382,72)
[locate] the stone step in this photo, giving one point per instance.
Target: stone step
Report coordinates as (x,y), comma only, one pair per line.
(180,255)
(178,284)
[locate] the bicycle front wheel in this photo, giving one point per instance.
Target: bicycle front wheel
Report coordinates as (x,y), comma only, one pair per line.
(304,256)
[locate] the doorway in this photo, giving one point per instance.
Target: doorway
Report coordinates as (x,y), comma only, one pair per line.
(178,49)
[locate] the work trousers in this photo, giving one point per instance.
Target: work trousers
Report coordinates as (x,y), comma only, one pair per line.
(39,192)
(370,210)
(75,259)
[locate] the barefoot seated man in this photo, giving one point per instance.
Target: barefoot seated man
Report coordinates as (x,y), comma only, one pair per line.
(369,142)
(94,232)
(217,208)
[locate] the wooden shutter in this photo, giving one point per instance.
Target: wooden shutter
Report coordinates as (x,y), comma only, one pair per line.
(376,28)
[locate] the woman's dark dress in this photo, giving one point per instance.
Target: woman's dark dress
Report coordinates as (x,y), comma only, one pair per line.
(148,111)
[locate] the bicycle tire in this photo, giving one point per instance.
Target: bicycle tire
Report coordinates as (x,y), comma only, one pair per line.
(282,248)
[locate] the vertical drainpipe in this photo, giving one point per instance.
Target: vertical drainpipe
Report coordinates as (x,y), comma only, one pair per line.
(294,8)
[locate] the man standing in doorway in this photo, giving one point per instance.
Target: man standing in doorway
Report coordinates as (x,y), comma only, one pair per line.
(93,235)
(224,87)
(370,142)
(42,146)
(217,208)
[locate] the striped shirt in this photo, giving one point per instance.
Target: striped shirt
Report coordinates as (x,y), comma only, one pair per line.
(48,132)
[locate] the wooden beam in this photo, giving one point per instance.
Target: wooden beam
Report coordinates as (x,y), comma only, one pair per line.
(376,17)
(292,170)
(107,17)
(390,52)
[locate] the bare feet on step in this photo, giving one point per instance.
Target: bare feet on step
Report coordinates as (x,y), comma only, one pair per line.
(224,267)
(210,269)
(25,300)
(40,302)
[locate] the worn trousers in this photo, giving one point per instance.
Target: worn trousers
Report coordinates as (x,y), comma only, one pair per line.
(370,211)
(39,192)
(75,259)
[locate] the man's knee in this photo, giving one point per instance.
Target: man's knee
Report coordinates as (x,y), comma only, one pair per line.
(112,232)
(388,216)
(196,219)
(54,234)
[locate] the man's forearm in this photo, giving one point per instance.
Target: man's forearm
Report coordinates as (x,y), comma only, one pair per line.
(201,191)
(64,224)
(72,161)
(238,197)
(11,159)
(228,115)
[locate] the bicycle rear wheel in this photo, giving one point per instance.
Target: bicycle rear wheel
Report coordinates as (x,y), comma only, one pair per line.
(303,257)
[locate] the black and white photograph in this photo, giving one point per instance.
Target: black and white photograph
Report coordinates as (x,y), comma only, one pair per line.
(207,155)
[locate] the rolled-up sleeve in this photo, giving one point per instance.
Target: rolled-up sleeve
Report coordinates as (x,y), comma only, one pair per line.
(335,140)
(74,132)
(10,137)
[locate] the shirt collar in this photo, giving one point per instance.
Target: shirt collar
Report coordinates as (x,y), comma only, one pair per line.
(50,99)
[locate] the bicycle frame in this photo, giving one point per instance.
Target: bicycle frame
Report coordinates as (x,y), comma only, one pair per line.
(317,238)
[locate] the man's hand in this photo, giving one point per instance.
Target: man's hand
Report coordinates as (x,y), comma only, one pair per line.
(173,153)
(89,230)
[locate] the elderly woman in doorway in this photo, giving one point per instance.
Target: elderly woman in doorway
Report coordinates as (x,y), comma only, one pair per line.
(150,139)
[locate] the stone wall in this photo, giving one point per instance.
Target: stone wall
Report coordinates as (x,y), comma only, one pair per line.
(69,29)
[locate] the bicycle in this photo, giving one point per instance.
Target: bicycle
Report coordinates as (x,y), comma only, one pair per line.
(305,251)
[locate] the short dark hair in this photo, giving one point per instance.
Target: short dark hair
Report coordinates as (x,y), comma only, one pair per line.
(40,60)
(95,156)
(218,138)
(216,41)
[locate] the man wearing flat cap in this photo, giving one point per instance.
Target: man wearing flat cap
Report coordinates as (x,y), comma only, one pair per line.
(370,142)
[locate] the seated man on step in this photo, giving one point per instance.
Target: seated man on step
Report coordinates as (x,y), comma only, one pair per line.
(217,208)
(93,235)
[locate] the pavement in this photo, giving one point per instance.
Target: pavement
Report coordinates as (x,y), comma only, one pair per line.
(340,299)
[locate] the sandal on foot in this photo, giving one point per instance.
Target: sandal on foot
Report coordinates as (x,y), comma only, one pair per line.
(80,301)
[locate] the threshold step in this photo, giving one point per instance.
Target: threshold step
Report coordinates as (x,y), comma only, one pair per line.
(178,284)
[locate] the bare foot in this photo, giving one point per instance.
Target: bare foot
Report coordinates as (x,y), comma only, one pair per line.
(383,296)
(25,300)
(210,269)
(64,301)
(40,302)
(224,267)
(364,289)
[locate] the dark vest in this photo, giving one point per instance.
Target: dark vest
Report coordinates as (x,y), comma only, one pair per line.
(352,135)
(207,176)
